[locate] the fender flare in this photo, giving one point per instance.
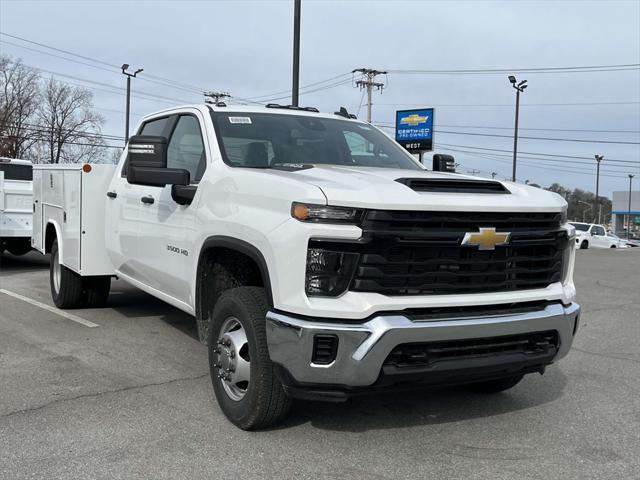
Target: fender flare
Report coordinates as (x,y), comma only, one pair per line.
(56,227)
(242,247)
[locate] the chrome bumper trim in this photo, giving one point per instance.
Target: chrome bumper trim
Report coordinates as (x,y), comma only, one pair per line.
(363,348)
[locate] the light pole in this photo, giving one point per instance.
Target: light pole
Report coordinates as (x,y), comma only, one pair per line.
(296,53)
(629,211)
(129,75)
(598,160)
(519,89)
(584,212)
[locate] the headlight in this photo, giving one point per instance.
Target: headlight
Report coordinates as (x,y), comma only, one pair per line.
(563,216)
(329,273)
(325,214)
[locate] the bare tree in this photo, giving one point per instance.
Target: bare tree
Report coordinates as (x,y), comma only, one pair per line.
(19,89)
(70,126)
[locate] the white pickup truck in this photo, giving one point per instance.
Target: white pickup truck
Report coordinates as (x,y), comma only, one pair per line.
(15,206)
(591,235)
(320,259)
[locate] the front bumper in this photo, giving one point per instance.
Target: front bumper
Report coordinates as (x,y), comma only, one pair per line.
(363,347)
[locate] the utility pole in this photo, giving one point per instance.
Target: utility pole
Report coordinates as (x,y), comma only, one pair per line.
(129,75)
(629,211)
(598,160)
(295,84)
(215,97)
(519,89)
(368,81)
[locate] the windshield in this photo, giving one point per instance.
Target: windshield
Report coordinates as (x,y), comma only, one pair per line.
(268,140)
(583,227)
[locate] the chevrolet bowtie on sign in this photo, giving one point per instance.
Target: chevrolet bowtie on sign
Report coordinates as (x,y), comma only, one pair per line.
(486,239)
(414,120)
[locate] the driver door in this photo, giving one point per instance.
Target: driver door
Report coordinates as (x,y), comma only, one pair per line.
(167,229)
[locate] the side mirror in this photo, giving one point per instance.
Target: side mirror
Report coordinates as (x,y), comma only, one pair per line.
(147,163)
(444,163)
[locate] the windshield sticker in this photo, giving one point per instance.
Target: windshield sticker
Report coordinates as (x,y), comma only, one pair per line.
(239,119)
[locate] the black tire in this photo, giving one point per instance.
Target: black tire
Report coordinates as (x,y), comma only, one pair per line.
(18,246)
(584,245)
(494,386)
(264,402)
(96,291)
(612,246)
(67,292)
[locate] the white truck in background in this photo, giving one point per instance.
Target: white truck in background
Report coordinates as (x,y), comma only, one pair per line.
(320,259)
(16,214)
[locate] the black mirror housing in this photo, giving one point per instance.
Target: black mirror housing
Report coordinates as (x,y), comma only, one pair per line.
(147,151)
(147,163)
(157,177)
(444,163)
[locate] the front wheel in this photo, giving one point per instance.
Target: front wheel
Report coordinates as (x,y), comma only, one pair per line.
(584,245)
(494,386)
(243,376)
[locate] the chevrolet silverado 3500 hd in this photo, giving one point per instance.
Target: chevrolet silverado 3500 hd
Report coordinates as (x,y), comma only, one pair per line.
(319,258)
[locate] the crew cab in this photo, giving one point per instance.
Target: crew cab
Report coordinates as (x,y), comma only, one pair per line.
(15,205)
(319,258)
(593,235)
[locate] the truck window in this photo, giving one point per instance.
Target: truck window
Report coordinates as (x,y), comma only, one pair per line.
(16,172)
(154,127)
(597,230)
(186,148)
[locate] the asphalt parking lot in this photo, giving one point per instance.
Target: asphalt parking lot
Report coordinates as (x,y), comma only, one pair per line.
(131,398)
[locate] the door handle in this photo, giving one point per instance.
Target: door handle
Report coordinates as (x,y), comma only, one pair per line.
(147,200)
(112,194)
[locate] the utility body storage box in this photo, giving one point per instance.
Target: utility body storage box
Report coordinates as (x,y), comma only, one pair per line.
(71,200)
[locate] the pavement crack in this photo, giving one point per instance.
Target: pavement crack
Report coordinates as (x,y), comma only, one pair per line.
(606,355)
(98,394)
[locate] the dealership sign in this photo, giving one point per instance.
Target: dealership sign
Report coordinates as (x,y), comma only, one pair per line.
(414,129)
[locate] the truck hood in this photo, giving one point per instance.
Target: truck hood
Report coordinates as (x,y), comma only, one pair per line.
(369,187)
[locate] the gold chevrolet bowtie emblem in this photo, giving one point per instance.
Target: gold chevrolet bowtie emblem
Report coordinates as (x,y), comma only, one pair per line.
(414,120)
(486,239)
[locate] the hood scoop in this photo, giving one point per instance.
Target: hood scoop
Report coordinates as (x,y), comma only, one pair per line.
(453,185)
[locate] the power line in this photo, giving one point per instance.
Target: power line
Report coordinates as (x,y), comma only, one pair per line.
(528,163)
(543,160)
(565,104)
(609,160)
(119,147)
(498,71)
(494,127)
(579,140)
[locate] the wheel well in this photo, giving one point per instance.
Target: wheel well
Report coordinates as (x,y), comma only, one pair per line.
(221,268)
(49,237)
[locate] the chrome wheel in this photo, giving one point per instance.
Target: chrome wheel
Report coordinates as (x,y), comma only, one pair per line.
(232,359)
(57,272)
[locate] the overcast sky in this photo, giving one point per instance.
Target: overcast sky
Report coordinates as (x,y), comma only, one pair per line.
(244,47)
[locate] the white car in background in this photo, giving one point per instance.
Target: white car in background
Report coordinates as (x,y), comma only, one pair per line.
(590,235)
